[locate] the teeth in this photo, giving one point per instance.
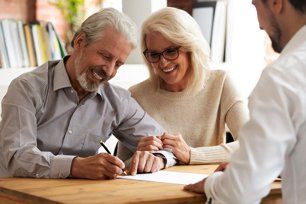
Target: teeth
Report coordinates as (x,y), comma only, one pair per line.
(169,69)
(96,75)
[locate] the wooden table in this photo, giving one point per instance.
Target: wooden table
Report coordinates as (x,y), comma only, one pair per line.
(29,190)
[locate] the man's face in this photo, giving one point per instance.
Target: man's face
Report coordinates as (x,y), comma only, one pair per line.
(268,22)
(98,61)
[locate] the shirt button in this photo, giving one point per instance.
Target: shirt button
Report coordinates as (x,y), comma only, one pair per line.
(71,90)
(70,132)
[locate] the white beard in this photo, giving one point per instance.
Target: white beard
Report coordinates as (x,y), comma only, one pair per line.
(86,84)
(82,78)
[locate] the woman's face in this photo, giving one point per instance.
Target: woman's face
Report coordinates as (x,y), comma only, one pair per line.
(174,71)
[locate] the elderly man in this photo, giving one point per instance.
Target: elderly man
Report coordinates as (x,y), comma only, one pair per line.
(273,141)
(54,117)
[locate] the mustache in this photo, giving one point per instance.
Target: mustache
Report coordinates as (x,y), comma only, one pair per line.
(100,70)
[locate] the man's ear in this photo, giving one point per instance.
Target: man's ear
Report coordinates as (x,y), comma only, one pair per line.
(276,6)
(79,41)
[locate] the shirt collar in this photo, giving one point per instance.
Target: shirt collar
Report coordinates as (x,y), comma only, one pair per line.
(297,39)
(61,79)
(99,91)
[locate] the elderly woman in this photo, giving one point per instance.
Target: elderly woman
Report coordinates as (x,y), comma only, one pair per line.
(183,94)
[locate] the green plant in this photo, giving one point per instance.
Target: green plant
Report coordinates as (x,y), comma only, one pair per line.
(73,12)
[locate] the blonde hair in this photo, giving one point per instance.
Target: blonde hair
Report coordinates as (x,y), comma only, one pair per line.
(180,28)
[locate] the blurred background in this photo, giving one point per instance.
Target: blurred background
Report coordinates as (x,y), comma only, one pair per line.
(230,26)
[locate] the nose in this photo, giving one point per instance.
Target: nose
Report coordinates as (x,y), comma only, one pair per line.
(163,60)
(111,69)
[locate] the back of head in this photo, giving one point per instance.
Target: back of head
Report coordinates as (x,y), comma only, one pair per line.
(180,28)
(109,17)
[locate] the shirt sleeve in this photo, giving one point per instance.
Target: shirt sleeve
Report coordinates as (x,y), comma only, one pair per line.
(18,137)
(136,124)
(213,154)
(265,140)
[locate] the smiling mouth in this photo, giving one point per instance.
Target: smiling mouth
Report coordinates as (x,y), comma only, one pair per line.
(99,73)
(167,70)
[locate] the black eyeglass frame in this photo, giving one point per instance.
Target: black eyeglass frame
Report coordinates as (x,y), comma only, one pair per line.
(162,53)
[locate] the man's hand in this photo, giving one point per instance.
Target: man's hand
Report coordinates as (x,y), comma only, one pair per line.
(100,166)
(178,146)
(145,162)
(222,167)
(151,143)
(196,187)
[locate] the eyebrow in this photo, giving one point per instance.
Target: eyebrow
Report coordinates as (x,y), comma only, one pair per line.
(172,46)
(106,52)
(112,56)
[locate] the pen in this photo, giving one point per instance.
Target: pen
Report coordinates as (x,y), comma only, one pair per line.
(107,150)
(104,146)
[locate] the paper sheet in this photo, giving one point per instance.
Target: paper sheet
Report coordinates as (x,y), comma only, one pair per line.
(168,177)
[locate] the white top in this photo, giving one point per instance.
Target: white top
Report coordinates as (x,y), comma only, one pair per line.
(274,139)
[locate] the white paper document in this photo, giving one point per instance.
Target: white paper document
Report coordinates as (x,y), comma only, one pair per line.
(168,177)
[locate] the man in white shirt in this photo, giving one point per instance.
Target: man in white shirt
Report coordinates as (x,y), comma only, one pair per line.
(273,141)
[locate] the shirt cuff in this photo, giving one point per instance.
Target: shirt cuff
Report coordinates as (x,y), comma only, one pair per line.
(60,166)
(210,185)
(168,156)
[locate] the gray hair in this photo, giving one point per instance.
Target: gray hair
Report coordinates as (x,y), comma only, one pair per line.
(180,28)
(108,17)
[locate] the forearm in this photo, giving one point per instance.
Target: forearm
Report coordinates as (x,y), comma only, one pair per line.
(213,154)
(33,163)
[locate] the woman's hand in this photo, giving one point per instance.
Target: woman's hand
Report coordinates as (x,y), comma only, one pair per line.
(178,146)
(150,143)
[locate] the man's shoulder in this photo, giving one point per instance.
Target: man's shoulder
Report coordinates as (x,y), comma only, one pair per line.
(38,76)
(35,80)
(112,90)
(297,53)
(290,65)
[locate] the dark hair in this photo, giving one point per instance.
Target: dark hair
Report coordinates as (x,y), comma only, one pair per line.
(299,5)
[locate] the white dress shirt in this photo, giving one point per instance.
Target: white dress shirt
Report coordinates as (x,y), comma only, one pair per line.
(273,142)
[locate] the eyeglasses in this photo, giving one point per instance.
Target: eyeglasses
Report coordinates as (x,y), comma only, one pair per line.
(170,53)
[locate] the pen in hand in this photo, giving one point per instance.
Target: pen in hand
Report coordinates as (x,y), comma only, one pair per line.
(104,147)
(107,150)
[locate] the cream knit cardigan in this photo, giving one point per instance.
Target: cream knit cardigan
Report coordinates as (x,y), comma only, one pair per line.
(201,118)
